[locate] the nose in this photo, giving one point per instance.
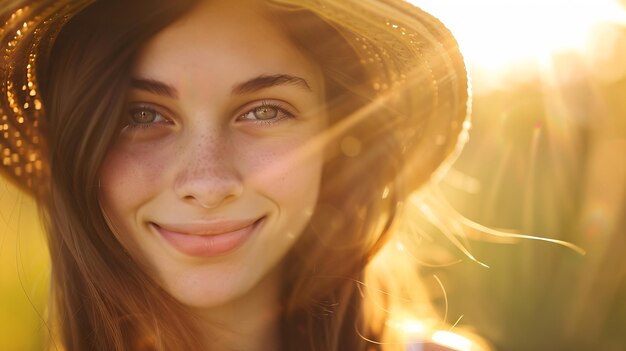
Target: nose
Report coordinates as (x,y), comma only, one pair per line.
(207,174)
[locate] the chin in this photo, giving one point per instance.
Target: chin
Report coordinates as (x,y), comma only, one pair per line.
(215,286)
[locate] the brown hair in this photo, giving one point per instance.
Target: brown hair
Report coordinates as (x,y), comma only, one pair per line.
(102,299)
(321,291)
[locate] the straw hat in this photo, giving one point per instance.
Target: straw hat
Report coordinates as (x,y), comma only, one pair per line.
(393,39)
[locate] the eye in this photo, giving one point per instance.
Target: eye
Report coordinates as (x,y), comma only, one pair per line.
(144,115)
(267,112)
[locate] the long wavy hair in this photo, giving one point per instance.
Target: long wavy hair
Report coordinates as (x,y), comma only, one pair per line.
(338,289)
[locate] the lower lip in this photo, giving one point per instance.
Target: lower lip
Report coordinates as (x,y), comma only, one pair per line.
(208,245)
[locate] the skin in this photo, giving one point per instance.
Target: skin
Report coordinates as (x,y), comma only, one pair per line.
(193,152)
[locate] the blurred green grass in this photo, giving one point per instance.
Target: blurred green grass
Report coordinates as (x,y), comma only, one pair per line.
(24,272)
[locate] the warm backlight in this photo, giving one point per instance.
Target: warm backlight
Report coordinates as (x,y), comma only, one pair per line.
(498,34)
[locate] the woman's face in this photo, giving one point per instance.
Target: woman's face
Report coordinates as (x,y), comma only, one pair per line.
(214,174)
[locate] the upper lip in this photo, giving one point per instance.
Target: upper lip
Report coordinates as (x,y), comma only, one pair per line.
(214,227)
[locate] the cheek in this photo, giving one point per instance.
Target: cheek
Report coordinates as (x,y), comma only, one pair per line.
(127,177)
(287,169)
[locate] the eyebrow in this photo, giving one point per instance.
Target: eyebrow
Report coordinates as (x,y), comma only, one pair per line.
(155,87)
(268,81)
(252,85)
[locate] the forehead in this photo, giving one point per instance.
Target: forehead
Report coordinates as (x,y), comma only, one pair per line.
(223,41)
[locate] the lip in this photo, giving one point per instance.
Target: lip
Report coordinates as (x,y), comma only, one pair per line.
(208,239)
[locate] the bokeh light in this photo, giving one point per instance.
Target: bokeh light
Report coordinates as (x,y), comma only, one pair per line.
(546,157)
(452,340)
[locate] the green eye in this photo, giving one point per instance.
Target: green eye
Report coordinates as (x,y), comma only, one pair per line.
(143,116)
(265,112)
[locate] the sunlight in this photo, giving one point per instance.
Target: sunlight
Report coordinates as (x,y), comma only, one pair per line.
(499,34)
(413,327)
(452,340)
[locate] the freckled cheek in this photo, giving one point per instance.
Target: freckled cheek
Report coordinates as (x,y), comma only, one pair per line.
(129,175)
(284,169)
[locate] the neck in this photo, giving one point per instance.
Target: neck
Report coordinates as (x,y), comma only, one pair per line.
(250,322)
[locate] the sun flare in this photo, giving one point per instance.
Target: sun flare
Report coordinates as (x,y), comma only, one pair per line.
(496,34)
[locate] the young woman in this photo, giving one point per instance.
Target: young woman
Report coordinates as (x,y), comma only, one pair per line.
(228,175)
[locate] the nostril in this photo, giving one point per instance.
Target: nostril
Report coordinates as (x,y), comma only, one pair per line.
(207,182)
(194,201)
(212,198)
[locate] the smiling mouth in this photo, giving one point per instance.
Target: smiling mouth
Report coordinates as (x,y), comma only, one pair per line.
(208,239)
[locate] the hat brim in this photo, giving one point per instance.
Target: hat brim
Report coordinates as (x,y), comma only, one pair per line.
(408,53)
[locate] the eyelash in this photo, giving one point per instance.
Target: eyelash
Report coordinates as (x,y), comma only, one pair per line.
(282,114)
